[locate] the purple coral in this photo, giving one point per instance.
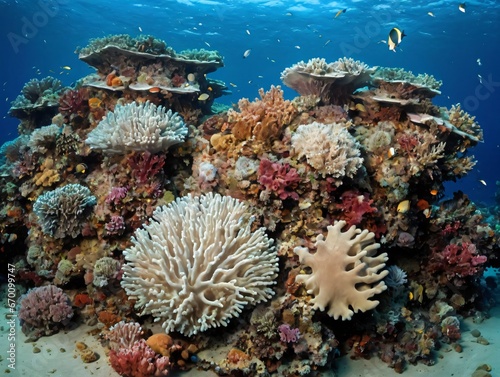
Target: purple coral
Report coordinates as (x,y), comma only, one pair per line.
(44,310)
(115,226)
(288,334)
(139,361)
(116,195)
(279,178)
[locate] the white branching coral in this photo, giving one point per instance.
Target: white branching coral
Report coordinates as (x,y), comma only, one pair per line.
(138,127)
(328,148)
(197,263)
(345,271)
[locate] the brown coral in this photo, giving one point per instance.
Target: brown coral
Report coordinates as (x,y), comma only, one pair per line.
(263,119)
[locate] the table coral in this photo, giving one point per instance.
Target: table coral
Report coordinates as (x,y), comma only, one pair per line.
(345,271)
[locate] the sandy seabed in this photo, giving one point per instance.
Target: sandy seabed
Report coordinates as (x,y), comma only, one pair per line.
(59,358)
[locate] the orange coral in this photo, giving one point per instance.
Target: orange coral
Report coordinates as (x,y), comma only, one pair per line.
(160,343)
(81,300)
(108,319)
(265,118)
(234,356)
(116,81)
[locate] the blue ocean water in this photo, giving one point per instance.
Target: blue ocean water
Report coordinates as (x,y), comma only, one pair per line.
(38,38)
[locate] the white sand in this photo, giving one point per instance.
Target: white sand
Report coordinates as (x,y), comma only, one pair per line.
(53,362)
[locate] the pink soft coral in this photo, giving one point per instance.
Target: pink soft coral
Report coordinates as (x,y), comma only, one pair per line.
(279,179)
(139,361)
(457,260)
(354,206)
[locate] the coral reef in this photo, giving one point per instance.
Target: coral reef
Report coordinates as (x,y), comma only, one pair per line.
(213,266)
(144,200)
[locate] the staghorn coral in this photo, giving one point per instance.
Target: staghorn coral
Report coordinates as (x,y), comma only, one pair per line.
(329,149)
(62,212)
(197,264)
(345,271)
(137,127)
(262,119)
(44,311)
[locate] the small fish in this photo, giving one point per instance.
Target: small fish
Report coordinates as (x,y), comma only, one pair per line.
(140,29)
(361,107)
(391,152)
(260,76)
(44,41)
(461,7)
(81,168)
(288,14)
(482,181)
(395,38)
(67,67)
(273,61)
(297,47)
(208,44)
(328,41)
(203,97)
(431,14)
(479,62)
(434,192)
(233,85)
(404,206)
(248,32)
(480,79)
(340,12)
(154,89)
(246,54)
(7,99)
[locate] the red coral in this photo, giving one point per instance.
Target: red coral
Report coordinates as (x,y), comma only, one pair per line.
(408,142)
(139,361)
(278,178)
(354,206)
(458,260)
(73,101)
(146,166)
(451,229)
